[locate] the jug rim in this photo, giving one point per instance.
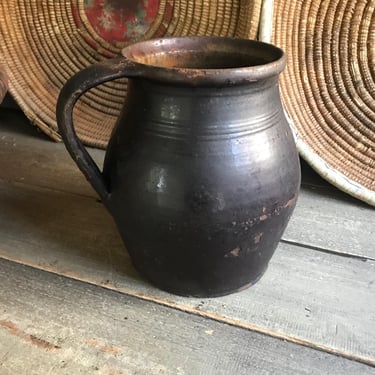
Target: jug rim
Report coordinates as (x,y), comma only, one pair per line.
(148,55)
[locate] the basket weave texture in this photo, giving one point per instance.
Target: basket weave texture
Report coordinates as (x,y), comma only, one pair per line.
(328,87)
(3,83)
(44,42)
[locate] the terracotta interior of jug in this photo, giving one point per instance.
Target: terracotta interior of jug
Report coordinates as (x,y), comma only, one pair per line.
(188,53)
(203,60)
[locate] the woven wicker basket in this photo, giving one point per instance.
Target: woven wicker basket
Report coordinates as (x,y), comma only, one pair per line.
(44,42)
(3,83)
(328,87)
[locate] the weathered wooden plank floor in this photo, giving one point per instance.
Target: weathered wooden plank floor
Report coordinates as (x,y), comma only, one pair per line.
(66,327)
(315,301)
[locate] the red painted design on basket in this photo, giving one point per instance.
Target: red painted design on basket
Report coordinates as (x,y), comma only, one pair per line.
(167,18)
(118,20)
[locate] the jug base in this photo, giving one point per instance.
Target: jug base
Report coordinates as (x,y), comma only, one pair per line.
(202,293)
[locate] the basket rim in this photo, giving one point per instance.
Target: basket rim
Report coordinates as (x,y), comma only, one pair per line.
(328,88)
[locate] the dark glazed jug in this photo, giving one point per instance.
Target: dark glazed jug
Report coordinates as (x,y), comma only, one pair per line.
(201,173)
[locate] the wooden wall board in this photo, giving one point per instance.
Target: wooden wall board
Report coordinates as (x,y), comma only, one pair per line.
(39,161)
(325,218)
(314,298)
(50,219)
(54,325)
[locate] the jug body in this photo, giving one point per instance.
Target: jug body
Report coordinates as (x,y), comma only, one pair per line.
(201,173)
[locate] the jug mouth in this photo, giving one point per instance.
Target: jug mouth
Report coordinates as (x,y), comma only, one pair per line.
(206,59)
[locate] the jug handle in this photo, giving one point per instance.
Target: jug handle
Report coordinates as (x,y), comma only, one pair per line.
(74,88)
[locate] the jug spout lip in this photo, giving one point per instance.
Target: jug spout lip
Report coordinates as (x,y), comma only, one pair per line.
(206,60)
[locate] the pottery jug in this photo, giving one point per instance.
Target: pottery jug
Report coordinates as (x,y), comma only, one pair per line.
(201,173)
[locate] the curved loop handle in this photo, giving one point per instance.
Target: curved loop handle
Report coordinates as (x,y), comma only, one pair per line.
(75,87)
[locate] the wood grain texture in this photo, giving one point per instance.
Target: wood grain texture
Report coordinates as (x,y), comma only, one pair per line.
(54,325)
(312,298)
(324,217)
